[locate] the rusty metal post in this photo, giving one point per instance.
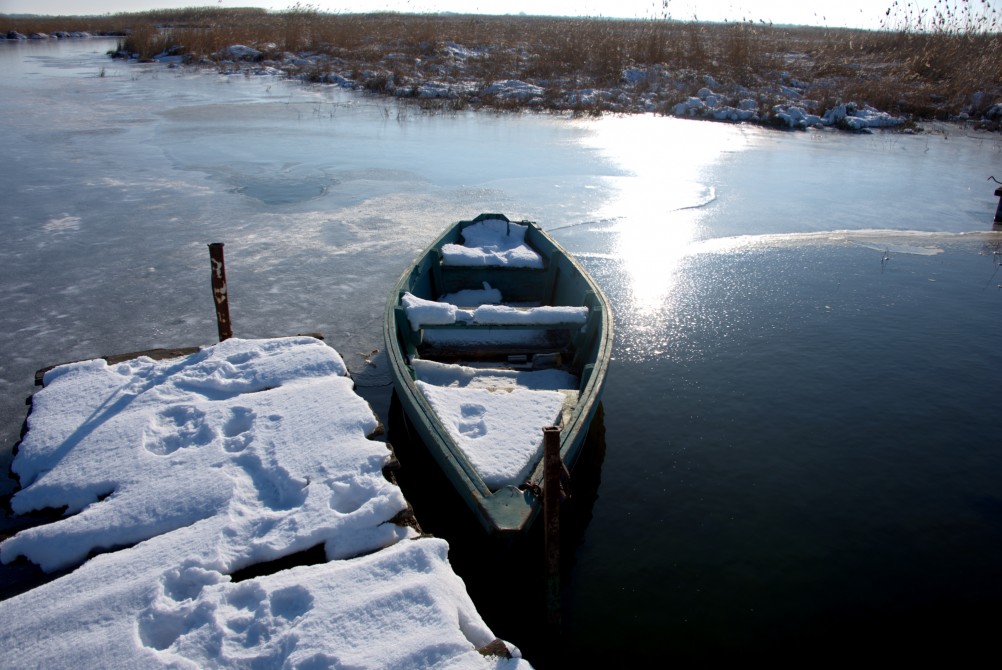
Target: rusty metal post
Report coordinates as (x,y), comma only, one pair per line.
(552,469)
(219,293)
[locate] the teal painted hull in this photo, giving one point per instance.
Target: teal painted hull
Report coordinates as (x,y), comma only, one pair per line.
(586,352)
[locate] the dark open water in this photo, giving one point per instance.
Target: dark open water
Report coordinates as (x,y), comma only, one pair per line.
(812,469)
(802,459)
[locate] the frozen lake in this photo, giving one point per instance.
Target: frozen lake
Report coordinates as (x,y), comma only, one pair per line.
(801,434)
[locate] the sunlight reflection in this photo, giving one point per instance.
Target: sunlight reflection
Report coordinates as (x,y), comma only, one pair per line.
(651,250)
(669,175)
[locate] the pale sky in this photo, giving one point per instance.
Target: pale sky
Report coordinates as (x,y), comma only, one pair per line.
(848,13)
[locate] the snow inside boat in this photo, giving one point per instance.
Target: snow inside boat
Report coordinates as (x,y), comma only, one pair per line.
(493,334)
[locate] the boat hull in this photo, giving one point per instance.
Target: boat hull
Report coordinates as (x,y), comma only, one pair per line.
(562,281)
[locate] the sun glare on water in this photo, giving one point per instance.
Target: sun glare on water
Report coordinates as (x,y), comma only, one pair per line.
(658,202)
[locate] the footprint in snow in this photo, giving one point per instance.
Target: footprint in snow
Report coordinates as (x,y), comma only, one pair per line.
(237,429)
(177,427)
(471,421)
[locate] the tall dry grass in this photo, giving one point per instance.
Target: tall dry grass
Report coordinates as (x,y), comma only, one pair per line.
(97,25)
(931,63)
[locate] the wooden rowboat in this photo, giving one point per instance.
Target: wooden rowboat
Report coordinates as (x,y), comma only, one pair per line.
(493,334)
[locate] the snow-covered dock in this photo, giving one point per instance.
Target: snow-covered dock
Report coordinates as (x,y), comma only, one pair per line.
(177,475)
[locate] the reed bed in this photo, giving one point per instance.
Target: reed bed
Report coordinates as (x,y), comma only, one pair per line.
(939,64)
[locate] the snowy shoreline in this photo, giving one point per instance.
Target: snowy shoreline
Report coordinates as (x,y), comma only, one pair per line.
(448,78)
(179,474)
(641,90)
(783,104)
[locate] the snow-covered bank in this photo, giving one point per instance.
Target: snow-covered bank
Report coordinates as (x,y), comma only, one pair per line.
(452,78)
(708,105)
(245,452)
(772,75)
(640,90)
